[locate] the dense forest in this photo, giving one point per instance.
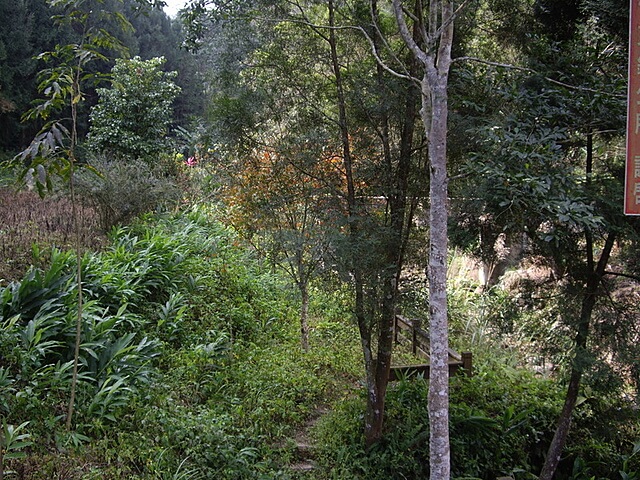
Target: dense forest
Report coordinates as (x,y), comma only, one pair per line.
(213,226)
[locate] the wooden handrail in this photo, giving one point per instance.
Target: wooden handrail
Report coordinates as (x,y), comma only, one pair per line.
(419,338)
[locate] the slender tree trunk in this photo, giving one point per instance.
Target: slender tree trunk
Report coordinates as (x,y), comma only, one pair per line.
(375,398)
(76,226)
(304,314)
(397,190)
(562,429)
(76,350)
(373,414)
(593,281)
(437,273)
(435,59)
(588,303)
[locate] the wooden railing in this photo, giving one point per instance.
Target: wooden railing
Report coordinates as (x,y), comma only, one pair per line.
(411,330)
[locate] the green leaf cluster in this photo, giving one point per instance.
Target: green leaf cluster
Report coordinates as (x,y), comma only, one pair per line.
(132,117)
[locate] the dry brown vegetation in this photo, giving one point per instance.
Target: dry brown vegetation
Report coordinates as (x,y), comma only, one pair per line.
(27,220)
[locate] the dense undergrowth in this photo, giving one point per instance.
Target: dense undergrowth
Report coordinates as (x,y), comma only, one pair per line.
(502,420)
(190,367)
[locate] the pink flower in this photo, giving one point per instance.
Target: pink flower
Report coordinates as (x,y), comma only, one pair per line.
(191,162)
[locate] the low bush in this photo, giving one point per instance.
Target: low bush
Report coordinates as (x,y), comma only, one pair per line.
(121,190)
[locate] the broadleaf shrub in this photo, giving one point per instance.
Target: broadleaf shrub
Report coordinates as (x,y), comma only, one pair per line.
(132,117)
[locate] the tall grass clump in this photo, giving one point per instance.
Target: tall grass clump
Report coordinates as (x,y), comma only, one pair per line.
(30,225)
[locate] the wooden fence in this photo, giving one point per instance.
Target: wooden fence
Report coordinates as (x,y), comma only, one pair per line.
(411,330)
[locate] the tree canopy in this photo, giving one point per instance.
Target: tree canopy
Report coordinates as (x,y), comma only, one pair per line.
(132,117)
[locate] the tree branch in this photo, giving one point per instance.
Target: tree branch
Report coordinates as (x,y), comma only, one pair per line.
(406,34)
(446,22)
(407,75)
(380,61)
(445,32)
(531,70)
(625,275)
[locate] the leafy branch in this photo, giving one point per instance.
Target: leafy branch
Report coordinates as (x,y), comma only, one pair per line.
(53,151)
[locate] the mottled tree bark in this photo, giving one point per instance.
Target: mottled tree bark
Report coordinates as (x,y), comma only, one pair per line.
(437,274)
(435,60)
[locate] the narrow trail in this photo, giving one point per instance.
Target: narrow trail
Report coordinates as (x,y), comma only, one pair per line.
(304,453)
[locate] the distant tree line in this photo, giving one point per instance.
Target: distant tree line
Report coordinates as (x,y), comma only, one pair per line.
(28,29)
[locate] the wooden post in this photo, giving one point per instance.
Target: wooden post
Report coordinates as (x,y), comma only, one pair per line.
(395,329)
(467,363)
(414,339)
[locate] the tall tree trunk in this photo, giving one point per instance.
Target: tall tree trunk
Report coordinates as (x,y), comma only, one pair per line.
(397,190)
(435,59)
(582,335)
(437,272)
(375,402)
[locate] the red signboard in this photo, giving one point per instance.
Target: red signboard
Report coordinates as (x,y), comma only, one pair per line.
(632,177)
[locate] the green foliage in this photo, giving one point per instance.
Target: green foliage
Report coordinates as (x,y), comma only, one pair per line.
(39,352)
(510,409)
(140,265)
(131,118)
(24,298)
(62,86)
(12,442)
(115,356)
(274,400)
(18,65)
(190,368)
(479,319)
(502,421)
(121,190)
(525,180)
(172,438)
(189,359)
(604,435)
(153,35)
